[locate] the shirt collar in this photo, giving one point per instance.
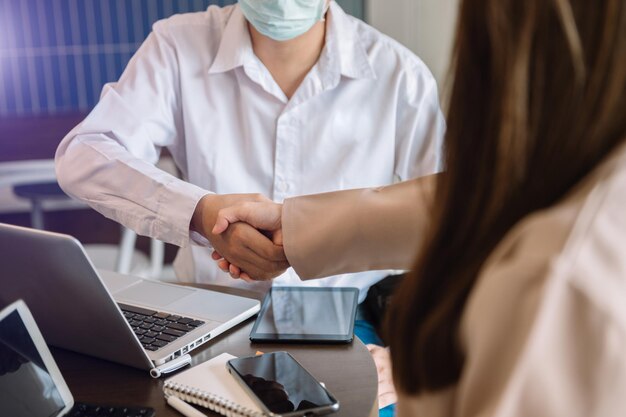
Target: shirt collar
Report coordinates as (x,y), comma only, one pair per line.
(235,47)
(344,50)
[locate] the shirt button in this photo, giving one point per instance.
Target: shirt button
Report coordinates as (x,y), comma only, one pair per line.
(283,186)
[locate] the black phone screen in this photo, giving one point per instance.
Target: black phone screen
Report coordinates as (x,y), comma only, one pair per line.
(281,383)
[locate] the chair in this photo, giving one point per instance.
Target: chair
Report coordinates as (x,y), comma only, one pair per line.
(35,181)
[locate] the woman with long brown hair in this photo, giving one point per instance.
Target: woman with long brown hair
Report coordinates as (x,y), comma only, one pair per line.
(536,124)
(516,305)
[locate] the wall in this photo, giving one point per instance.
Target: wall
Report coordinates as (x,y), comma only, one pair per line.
(55,55)
(425,26)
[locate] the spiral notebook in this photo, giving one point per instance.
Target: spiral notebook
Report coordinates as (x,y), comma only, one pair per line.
(210,385)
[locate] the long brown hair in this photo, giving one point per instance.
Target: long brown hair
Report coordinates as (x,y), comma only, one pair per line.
(538,100)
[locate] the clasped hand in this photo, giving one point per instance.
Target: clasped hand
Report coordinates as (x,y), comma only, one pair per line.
(246,233)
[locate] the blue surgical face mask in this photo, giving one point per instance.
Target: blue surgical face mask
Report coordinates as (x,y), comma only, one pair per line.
(282,20)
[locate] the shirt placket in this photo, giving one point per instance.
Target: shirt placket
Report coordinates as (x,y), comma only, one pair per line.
(285,166)
(291,125)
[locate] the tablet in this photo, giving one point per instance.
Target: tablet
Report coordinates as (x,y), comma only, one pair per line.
(30,382)
(307,315)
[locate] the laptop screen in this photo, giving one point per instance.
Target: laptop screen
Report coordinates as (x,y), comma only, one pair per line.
(26,387)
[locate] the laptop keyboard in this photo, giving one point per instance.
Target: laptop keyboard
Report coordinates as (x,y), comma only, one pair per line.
(85,410)
(157,329)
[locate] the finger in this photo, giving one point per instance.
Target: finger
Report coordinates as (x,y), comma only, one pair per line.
(221,224)
(386,389)
(241,246)
(234,271)
(259,269)
(269,251)
(216,256)
(247,278)
(224,265)
(263,247)
(387,399)
(384,377)
(265,216)
(250,279)
(257,242)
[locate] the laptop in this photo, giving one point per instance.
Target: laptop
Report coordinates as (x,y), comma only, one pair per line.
(136,322)
(31,384)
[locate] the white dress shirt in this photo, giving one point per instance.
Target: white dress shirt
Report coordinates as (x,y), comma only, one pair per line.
(367,114)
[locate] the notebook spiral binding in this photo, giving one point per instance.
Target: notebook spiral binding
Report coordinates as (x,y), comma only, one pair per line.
(208,400)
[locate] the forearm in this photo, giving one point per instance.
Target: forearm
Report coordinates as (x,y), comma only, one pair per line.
(356,230)
(98,170)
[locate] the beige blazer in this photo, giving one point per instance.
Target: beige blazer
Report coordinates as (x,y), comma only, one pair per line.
(544,329)
(356,230)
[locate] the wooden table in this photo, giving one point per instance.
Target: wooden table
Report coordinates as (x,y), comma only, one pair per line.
(347,370)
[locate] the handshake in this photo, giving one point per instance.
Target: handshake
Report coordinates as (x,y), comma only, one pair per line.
(245,231)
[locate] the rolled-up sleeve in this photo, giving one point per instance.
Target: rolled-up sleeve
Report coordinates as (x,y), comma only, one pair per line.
(420,125)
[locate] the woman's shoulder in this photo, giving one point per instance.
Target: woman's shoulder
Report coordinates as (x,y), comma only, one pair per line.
(585,229)
(593,259)
(554,285)
(584,234)
(577,244)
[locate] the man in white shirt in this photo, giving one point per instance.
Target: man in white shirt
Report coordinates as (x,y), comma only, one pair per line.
(247,101)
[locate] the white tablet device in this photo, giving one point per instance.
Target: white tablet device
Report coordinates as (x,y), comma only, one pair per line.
(30,381)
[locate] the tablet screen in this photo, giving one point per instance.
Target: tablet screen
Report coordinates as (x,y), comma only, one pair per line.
(26,387)
(307,314)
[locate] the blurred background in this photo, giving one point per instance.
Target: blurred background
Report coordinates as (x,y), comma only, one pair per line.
(55,56)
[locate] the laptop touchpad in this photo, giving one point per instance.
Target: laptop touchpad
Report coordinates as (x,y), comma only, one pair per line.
(153,293)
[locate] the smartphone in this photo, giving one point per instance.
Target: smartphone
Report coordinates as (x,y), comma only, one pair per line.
(281,386)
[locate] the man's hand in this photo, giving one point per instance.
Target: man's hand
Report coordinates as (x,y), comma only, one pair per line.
(262,215)
(242,244)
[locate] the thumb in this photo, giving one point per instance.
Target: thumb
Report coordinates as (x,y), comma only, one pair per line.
(263,216)
(227,216)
